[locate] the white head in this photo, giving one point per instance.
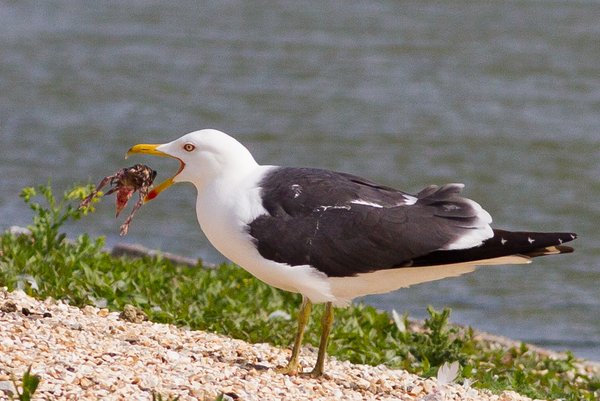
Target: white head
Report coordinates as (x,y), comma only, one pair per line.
(203,155)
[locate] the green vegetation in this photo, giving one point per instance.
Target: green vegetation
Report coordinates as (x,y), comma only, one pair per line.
(29,384)
(229,301)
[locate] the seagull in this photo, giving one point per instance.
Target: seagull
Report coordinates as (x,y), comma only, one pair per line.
(332,236)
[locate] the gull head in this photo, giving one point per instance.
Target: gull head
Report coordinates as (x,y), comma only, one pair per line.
(203,156)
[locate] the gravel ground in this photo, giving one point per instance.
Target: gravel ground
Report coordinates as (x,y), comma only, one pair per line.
(92,354)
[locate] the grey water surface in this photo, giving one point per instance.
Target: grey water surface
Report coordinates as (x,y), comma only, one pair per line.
(502,96)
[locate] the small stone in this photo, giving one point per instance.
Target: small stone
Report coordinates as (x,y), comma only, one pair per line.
(75,326)
(8,307)
(362,383)
(85,383)
(132,340)
(89,310)
(416,390)
(103,312)
(7,388)
(148,381)
(18,231)
(132,314)
(172,356)
(428,386)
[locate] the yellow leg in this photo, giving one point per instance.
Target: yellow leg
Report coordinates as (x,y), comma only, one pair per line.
(326,323)
(293,364)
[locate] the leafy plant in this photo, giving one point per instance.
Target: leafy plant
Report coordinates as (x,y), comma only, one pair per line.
(47,220)
(29,385)
(440,343)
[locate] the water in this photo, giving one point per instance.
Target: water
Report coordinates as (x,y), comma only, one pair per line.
(503,96)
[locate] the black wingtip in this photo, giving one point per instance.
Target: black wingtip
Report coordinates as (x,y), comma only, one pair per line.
(534,239)
(565,237)
(504,243)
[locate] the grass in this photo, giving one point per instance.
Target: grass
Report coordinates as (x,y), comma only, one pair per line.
(229,301)
(29,385)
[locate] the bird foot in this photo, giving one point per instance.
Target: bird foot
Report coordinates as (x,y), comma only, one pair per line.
(296,369)
(314,374)
(291,369)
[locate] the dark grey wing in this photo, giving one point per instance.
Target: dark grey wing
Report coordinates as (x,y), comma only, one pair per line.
(344,225)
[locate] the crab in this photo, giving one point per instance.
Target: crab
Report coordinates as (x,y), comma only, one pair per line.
(125,183)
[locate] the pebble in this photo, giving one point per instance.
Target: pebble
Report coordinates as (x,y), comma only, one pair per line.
(91,354)
(132,314)
(7,388)
(8,307)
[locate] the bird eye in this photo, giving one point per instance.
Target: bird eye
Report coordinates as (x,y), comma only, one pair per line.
(188,147)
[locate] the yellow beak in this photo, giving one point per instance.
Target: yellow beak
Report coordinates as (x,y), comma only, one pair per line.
(151,149)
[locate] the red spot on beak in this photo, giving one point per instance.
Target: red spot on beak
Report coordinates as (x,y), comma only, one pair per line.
(151,195)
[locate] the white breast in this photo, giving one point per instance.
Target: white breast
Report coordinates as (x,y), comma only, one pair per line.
(224,208)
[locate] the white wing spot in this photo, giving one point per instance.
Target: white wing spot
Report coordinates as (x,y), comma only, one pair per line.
(449,207)
(560,241)
(366,203)
(325,208)
(531,240)
(409,200)
(503,241)
(296,189)
(573,237)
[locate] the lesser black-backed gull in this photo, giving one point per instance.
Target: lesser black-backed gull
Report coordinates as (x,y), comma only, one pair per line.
(333,236)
